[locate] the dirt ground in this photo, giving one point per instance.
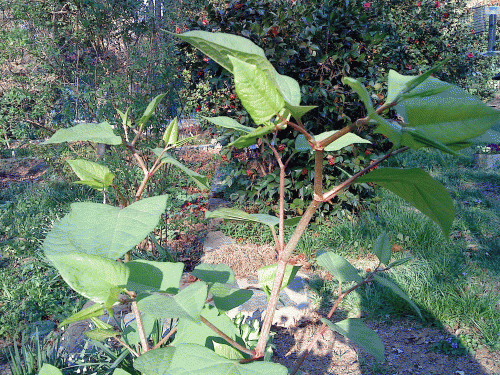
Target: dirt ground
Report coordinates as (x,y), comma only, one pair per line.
(407,342)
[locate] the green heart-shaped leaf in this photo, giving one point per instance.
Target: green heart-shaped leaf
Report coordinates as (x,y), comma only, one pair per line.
(104,230)
(148,275)
(93,174)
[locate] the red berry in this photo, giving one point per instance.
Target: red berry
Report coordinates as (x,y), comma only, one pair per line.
(304,171)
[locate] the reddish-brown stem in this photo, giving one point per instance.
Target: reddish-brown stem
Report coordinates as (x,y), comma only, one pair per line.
(333,193)
(140,327)
(227,338)
(281,231)
(164,340)
(128,347)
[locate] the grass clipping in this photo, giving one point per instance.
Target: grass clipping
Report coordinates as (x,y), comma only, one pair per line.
(244,260)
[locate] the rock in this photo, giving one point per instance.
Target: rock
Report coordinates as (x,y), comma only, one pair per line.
(295,302)
(214,240)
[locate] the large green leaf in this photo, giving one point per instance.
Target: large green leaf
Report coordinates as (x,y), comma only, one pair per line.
(49,370)
(338,267)
(227,298)
(97,278)
(251,138)
(150,109)
(382,248)
(220,47)
(187,304)
(104,230)
(267,274)
(189,331)
(146,275)
(119,371)
(356,331)
(99,133)
(257,92)
(397,290)
(420,190)
(240,215)
(200,180)
(195,359)
(229,123)
(449,117)
(95,175)
(227,351)
(214,273)
(97,309)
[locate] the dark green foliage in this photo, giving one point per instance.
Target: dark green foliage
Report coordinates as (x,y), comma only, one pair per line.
(317,43)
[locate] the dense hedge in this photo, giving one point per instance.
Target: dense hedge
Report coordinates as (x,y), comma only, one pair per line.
(318,42)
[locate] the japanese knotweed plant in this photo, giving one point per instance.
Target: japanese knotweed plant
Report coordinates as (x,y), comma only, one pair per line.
(86,244)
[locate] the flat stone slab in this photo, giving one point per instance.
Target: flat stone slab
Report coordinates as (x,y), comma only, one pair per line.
(216,239)
(295,303)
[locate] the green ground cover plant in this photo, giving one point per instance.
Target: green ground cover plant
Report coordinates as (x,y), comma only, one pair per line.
(86,244)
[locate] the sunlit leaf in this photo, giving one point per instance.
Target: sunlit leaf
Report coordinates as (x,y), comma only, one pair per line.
(187,304)
(229,123)
(251,138)
(267,274)
(148,275)
(214,273)
(104,230)
(382,248)
(150,109)
(101,334)
(419,189)
(96,309)
(338,267)
(356,331)
(257,92)
(227,298)
(93,174)
(99,133)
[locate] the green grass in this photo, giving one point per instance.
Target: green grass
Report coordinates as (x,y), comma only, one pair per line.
(455,282)
(31,290)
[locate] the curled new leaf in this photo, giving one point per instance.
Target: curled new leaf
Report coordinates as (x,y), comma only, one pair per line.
(171,133)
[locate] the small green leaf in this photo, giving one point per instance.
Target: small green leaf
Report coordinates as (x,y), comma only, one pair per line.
(126,121)
(257,92)
(171,133)
(251,138)
(229,123)
(214,273)
(150,110)
(338,267)
(292,221)
(100,324)
(399,262)
(226,298)
(420,190)
(151,276)
(356,331)
(187,304)
(298,111)
(361,91)
(101,334)
(93,174)
(382,248)
(267,274)
(227,351)
(99,133)
(397,290)
(301,144)
(97,278)
(49,370)
(96,309)
(200,180)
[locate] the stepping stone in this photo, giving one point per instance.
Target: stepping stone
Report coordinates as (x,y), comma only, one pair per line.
(214,240)
(295,297)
